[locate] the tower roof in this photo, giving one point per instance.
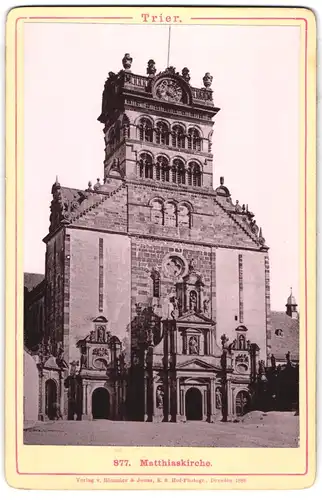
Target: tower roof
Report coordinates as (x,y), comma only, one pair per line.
(168,87)
(291,301)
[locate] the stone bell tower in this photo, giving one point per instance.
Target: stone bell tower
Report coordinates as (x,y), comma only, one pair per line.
(158,126)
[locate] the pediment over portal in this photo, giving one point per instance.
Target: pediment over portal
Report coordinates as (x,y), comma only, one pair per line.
(196,318)
(197,364)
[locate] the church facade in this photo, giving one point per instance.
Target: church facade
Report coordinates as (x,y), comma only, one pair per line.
(156,296)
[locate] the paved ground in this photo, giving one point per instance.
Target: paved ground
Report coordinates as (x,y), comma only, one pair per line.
(256,430)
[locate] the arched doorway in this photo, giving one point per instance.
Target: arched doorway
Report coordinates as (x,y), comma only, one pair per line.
(193,404)
(51,399)
(242,403)
(101,403)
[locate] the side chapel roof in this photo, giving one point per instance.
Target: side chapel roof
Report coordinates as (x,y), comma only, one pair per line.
(285,335)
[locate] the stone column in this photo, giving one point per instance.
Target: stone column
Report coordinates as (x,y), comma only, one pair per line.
(204,405)
(212,400)
(89,394)
(183,399)
(184,339)
(170,402)
(145,399)
(116,400)
(202,344)
(233,405)
(61,392)
(40,397)
(84,410)
(229,401)
(178,393)
(43,398)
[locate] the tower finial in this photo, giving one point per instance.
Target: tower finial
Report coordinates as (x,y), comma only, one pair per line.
(127,62)
(169,45)
(207,80)
(222,180)
(151,69)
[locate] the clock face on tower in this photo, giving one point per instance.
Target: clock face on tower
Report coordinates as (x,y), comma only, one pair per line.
(169,90)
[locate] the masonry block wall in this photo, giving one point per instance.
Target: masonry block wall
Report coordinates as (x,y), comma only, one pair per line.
(149,254)
(128,149)
(85,285)
(253,294)
(209,222)
(54,297)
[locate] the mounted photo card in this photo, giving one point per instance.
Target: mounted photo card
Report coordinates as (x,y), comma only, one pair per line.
(161,243)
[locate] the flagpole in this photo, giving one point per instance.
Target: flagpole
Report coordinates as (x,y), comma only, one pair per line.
(169,42)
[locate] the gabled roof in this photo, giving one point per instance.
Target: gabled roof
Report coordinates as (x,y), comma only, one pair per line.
(69,204)
(285,335)
(31,280)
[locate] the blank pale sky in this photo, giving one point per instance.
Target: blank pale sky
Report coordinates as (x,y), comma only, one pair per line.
(256,133)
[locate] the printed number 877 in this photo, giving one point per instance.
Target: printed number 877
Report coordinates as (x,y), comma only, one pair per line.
(117,463)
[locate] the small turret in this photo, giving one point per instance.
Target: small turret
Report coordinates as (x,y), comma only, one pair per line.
(291,306)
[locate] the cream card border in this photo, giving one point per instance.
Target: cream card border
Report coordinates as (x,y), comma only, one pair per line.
(46,467)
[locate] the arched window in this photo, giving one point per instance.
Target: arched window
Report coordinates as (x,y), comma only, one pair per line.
(194,176)
(162,133)
(241,342)
(170,215)
(189,175)
(194,139)
(146,166)
(157,212)
(184,218)
(126,127)
(174,173)
(181,172)
(178,172)
(146,130)
(178,137)
(162,169)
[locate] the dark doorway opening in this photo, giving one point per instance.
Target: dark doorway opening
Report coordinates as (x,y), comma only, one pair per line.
(100,403)
(193,404)
(51,399)
(242,403)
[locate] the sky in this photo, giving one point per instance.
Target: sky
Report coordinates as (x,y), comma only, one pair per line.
(255,73)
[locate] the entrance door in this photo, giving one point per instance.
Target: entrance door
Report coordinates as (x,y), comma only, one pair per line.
(193,404)
(101,403)
(51,399)
(242,403)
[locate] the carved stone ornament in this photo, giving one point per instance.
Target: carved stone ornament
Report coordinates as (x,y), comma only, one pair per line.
(169,90)
(207,80)
(151,69)
(174,266)
(127,61)
(186,74)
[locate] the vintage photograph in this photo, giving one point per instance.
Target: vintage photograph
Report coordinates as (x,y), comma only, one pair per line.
(161,235)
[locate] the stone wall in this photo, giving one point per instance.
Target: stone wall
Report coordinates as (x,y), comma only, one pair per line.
(86,287)
(54,297)
(30,388)
(210,223)
(253,295)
